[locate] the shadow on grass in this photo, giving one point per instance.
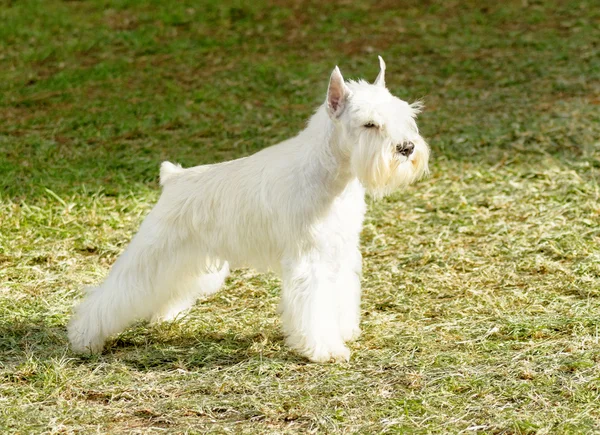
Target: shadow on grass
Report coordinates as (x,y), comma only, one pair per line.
(144,350)
(142,347)
(24,339)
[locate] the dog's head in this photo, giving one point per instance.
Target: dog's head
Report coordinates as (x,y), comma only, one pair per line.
(378,132)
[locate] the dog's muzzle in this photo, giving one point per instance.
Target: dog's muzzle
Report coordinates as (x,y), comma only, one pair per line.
(405,148)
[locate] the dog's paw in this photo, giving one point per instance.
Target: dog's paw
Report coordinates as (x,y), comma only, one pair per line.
(341,354)
(82,342)
(326,353)
(81,345)
(169,315)
(319,347)
(350,333)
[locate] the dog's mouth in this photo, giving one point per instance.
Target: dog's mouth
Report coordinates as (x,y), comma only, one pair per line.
(405,149)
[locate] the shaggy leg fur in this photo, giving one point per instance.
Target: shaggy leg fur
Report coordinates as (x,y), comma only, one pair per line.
(156,268)
(348,295)
(309,310)
(203,287)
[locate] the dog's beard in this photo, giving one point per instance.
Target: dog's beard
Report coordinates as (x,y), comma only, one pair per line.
(381,170)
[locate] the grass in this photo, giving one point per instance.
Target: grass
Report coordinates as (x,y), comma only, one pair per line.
(481,305)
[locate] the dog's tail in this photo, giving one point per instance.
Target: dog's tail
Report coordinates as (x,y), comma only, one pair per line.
(168,170)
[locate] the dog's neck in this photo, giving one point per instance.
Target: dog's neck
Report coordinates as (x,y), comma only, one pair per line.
(327,144)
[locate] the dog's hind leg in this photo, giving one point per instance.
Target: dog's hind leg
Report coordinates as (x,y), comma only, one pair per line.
(201,287)
(157,264)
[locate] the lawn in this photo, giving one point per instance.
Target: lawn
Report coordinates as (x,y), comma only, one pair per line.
(481,308)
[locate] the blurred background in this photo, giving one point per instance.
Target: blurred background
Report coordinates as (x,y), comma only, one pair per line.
(97,93)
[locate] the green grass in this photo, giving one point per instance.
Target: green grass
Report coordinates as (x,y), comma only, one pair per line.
(481,308)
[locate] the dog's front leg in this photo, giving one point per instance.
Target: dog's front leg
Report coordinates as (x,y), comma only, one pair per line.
(309,309)
(348,294)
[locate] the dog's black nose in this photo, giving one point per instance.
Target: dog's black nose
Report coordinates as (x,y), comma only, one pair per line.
(405,148)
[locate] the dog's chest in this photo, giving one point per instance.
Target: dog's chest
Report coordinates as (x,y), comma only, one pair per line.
(347,211)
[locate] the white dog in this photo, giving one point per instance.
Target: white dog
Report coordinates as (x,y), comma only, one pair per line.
(295,208)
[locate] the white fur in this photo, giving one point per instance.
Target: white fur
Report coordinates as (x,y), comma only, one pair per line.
(295,208)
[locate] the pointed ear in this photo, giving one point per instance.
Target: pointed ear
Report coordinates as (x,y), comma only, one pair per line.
(337,94)
(380,80)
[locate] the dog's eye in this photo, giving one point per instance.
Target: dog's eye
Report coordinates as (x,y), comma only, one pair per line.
(370,124)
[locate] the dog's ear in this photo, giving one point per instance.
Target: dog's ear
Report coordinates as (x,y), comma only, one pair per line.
(337,94)
(380,80)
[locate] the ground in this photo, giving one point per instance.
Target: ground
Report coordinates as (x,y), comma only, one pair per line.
(481,308)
